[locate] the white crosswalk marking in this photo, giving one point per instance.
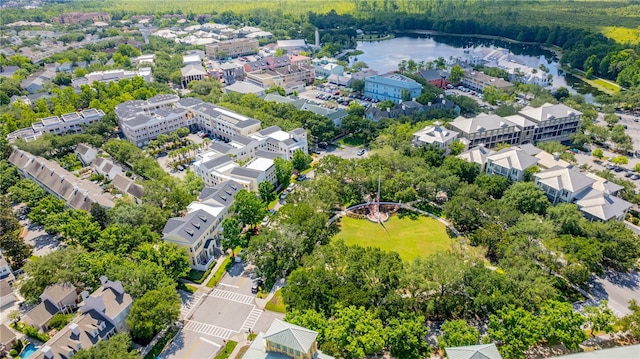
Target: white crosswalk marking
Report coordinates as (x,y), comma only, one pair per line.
(252,319)
(232,296)
(208,329)
(189,303)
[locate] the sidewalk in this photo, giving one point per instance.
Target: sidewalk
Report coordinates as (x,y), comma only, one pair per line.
(261,303)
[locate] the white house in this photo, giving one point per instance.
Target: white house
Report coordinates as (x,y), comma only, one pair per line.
(435,135)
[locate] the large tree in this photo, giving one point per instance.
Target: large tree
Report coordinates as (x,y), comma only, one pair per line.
(526,197)
(406,337)
(301,160)
(152,312)
(456,333)
(118,346)
(353,333)
(266,191)
(516,330)
(13,247)
(249,208)
(284,169)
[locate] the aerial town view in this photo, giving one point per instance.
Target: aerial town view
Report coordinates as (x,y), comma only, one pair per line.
(319,179)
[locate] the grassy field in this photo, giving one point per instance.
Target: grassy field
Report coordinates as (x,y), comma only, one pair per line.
(411,238)
(276,304)
(622,35)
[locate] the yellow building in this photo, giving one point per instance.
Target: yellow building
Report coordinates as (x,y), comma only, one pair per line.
(283,338)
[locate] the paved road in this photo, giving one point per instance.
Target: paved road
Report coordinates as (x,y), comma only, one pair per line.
(618,288)
(212,317)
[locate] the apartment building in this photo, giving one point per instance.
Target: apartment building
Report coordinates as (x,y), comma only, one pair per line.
(479,81)
(392,87)
(510,162)
(199,230)
(487,129)
(530,125)
(217,120)
(552,122)
(232,48)
(73,122)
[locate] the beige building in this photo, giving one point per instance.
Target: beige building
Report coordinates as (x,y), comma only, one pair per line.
(479,81)
(232,48)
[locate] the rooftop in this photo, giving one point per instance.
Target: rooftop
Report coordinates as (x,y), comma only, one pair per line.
(513,157)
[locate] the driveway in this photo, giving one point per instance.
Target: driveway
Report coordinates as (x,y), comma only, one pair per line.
(227,312)
(43,243)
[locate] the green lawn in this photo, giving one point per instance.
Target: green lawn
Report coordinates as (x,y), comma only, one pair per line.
(228,349)
(411,238)
(276,304)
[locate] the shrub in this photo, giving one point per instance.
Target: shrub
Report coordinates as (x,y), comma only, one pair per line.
(13,353)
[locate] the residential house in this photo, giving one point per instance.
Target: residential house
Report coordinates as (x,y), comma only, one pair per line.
(482,351)
(478,81)
(394,87)
(363,74)
(76,192)
(435,77)
(86,153)
(5,269)
(103,315)
(8,340)
(7,297)
(127,186)
(510,162)
(285,340)
(192,73)
(107,168)
(477,155)
(232,48)
(8,71)
(56,298)
(563,184)
(111,301)
(148,59)
(199,230)
(435,135)
(36,82)
(340,80)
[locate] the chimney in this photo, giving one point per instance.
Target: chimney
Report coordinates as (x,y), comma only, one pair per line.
(388,109)
(104,279)
(74,329)
(75,188)
(48,353)
(404,107)
(556,156)
(84,294)
(429,103)
(86,195)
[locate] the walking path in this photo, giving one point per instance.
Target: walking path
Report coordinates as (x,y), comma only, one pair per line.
(262,302)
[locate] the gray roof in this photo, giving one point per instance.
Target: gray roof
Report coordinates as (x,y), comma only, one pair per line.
(560,178)
(244,87)
(269,130)
(483,351)
(216,161)
(291,336)
(246,172)
(6,335)
(477,155)
(437,134)
(221,147)
(193,70)
(626,352)
(513,157)
(82,149)
(267,154)
(5,288)
(241,139)
(601,205)
(548,112)
(223,193)
(190,227)
(57,292)
(189,101)
(41,313)
(481,123)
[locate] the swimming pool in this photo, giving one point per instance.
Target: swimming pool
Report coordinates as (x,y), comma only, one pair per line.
(28,350)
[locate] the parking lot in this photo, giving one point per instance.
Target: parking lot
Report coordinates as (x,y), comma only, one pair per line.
(228,312)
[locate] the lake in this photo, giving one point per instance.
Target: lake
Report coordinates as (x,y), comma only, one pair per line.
(384,56)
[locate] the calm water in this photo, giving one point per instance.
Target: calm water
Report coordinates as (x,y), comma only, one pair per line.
(384,56)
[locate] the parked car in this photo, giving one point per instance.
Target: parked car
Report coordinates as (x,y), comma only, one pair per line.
(301,178)
(635,177)
(361,152)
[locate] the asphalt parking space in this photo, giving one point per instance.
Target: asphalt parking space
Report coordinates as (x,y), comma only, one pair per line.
(189,345)
(239,279)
